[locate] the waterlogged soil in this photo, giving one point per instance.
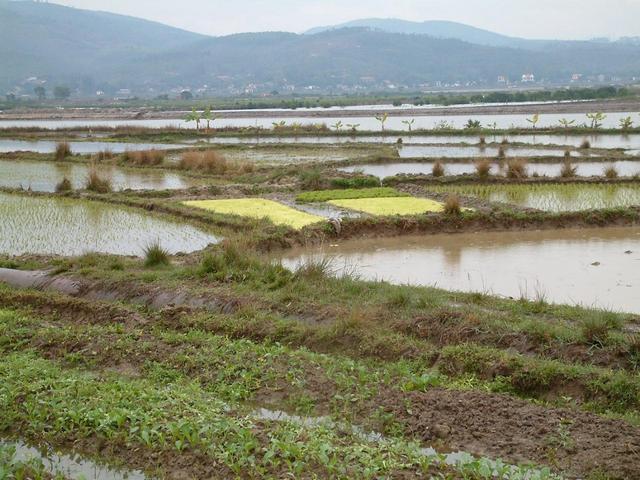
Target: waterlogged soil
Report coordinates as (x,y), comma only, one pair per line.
(437,151)
(589,267)
(57,226)
(40,176)
(625,168)
(45,146)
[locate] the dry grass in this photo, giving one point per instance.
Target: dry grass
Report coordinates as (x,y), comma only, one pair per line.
(501,152)
(482,141)
(103,155)
(144,157)
(610,172)
(64,185)
(586,144)
(96,183)
(517,168)
(437,170)
(568,170)
(63,150)
(483,168)
(452,205)
(210,161)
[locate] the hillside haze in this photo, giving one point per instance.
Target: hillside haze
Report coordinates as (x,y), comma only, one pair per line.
(92,51)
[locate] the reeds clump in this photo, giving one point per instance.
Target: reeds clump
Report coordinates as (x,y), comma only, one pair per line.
(155,255)
(144,157)
(452,205)
(567,154)
(64,185)
(585,145)
(483,168)
(210,161)
(63,150)
(568,170)
(96,183)
(437,170)
(610,172)
(104,155)
(517,168)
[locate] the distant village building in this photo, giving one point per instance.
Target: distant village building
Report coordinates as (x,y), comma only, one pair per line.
(576,77)
(123,94)
(502,79)
(528,78)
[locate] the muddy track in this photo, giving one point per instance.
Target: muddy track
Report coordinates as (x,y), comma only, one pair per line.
(487,424)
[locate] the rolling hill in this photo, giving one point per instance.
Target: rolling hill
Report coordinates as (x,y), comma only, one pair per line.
(89,50)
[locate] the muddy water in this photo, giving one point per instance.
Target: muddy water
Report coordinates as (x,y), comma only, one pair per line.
(44,176)
(625,168)
(364,122)
(70,466)
(48,226)
(588,267)
(46,146)
(438,151)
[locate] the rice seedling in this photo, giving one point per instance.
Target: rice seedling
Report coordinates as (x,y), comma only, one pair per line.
(437,170)
(610,172)
(325,195)
(452,205)
(517,168)
(259,208)
(63,150)
(96,183)
(568,170)
(64,185)
(553,198)
(155,255)
(483,168)
(390,205)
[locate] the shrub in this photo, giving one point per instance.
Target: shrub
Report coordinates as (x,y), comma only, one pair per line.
(104,155)
(155,255)
(63,150)
(568,170)
(310,179)
(611,172)
(437,170)
(144,157)
(64,185)
(355,182)
(517,168)
(483,168)
(95,183)
(452,205)
(586,144)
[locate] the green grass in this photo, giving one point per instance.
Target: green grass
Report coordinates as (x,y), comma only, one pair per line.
(326,195)
(390,205)
(258,208)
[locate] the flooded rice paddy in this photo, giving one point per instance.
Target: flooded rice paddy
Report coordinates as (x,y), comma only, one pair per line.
(48,226)
(625,168)
(588,267)
(440,151)
(501,121)
(552,197)
(47,146)
(44,176)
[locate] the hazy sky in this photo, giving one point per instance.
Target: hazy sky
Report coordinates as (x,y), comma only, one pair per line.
(526,18)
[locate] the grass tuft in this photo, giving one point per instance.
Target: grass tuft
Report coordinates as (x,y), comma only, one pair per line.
(437,170)
(452,205)
(155,255)
(63,150)
(96,183)
(568,170)
(610,172)
(144,157)
(64,185)
(483,168)
(517,168)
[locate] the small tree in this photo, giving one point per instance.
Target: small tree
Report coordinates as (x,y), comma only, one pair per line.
(61,92)
(473,124)
(207,115)
(337,126)
(194,117)
(596,119)
(279,125)
(382,119)
(626,123)
(534,120)
(565,123)
(186,95)
(409,123)
(40,92)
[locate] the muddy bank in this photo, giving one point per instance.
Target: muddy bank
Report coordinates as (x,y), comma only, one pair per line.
(611,106)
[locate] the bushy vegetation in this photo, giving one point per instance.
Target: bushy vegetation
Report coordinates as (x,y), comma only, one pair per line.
(325,195)
(63,150)
(96,182)
(210,161)
(151,157)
